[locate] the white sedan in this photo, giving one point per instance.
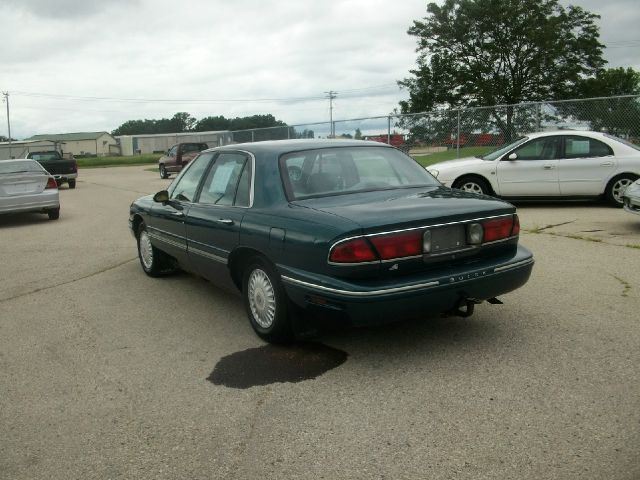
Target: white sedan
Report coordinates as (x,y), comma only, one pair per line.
(562,164)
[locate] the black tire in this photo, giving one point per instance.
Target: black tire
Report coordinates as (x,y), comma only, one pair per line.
(473,184)
(616,186)
(154,262)
(266,302)
(163,171)
(54,213)
(72,183)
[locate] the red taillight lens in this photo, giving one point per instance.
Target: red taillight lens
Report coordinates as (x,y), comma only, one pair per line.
(51,183)
(497,229)
(398,245)
(353,251)
(516,226)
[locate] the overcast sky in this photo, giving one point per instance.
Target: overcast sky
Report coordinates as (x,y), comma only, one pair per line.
(214,57)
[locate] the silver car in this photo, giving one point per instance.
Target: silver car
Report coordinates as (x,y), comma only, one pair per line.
(27,187)
(631,198)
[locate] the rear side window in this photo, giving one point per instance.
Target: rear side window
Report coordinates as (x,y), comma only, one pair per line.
(227,182)
(583,147)
(336,171)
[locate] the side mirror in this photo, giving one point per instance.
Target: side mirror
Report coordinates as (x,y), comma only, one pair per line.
(161,197)
(513,156)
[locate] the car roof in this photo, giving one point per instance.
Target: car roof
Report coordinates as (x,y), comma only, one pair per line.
(586,133)
(284,146)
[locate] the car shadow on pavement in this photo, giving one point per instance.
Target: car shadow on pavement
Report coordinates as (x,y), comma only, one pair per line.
(12,220)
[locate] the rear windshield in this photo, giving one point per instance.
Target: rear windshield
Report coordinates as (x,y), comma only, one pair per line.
(194,147)
(45,156)
(19,167)
(621,140)
(335,171)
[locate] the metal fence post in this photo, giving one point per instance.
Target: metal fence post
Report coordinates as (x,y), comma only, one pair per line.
(253,137)
(389,129)
(458,137)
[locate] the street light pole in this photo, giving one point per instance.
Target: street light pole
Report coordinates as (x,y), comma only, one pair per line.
(331,95)
(6,100)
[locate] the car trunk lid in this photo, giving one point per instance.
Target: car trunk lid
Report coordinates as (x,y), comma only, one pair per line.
(408,208)
(22,184)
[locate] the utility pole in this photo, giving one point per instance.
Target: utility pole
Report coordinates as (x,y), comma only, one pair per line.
(331,95)
(6,100)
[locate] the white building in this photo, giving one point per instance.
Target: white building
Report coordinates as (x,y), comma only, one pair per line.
(20,149)
(161,142)
(83,143)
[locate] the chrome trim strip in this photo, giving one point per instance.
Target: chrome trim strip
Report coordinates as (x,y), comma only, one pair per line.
(208,255)
(208,246)
(513,265)
(361,294)
(161,238)
(164,232)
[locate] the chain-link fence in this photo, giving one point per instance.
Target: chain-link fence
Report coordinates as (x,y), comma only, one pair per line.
(471,131)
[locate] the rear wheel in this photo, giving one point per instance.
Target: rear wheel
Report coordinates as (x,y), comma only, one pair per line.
(72,183)
(54,213)
(154,262)
(266,302)
(163,171)
(616,188)
(473,184)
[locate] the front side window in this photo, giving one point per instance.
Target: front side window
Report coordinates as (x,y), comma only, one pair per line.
(336,171)
(187,183)
(227,182)
(172,151)
(576,146)
(545,148)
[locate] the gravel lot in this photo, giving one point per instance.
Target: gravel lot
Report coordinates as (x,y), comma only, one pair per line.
(103,371)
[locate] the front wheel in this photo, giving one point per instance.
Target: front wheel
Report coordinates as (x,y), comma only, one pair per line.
(72,183)
(154,262)
(266,302)
(473,185)
(616,188)
(163,172)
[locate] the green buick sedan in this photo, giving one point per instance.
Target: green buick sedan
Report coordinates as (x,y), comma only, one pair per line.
(352,231)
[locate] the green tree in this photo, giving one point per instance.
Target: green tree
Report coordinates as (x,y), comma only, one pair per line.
(492,52)
(212,124)
(358,134)
(619,116)
(182,122)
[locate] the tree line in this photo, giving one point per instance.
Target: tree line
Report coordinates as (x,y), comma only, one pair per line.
(184,122)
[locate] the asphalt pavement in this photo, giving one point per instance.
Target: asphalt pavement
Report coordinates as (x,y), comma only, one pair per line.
(106,373)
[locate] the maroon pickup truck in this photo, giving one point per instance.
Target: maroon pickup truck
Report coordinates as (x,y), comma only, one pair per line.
(178,156)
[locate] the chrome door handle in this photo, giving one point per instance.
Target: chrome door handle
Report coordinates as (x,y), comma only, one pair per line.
(548,167)
(177,214)
(225,221)
(606,164)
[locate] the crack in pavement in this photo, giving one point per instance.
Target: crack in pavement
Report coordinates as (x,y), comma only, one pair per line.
(540,229)
(36,290)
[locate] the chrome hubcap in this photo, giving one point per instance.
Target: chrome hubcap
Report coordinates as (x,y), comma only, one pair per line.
(146,250)
(471,187)
(618,188)
(262,298)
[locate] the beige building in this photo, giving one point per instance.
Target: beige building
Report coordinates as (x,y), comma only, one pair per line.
(83,143)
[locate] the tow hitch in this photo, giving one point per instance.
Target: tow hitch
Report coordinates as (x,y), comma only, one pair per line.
(466,306)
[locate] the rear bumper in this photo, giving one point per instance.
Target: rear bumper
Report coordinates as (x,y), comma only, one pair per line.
(426,295)
(30,203)
(64,176)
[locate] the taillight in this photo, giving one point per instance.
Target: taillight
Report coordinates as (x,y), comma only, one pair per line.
(51,183)
(357,250)
(499,228)
(397,245)
(516,226)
